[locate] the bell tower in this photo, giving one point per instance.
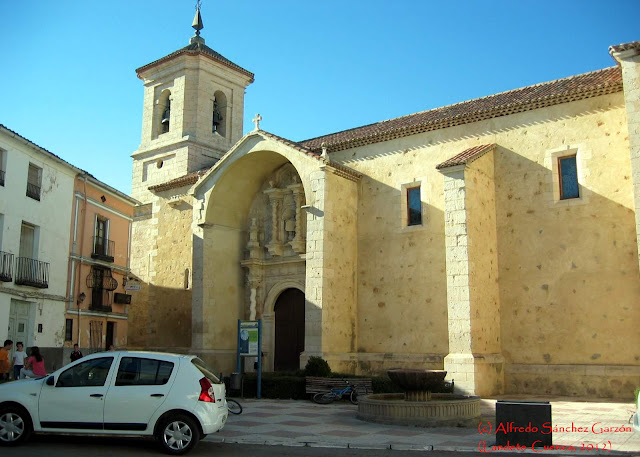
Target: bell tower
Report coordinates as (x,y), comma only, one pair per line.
(192,114)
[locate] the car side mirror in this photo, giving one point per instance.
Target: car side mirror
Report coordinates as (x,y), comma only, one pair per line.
(50,381)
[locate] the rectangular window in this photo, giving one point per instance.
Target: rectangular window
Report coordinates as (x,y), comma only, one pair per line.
(568,171)
(34,181)
(101,243)
(27,241)
(414,206)
(134,371)
(68,330)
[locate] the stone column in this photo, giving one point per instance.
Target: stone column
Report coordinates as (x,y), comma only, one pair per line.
(275,245)
(474,360)
(298,242)
(628,56)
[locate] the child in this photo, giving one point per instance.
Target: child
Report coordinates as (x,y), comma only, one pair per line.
(36,363)
(4,360)
(18,360)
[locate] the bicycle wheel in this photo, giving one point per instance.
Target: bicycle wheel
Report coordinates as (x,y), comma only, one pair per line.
(324,398)
(233,406)
(354,397)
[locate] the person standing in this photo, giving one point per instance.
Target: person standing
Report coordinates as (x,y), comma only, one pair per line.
(18,360)
(4,360)
(34,368)
(76,354)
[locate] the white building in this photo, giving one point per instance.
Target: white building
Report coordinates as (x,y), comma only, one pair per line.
(36,189)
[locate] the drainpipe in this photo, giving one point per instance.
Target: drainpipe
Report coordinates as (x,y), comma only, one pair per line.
(72,279)
(81,250)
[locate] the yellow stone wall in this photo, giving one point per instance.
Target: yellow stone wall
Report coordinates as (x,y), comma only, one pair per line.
(337,253)
(483,256)
(568,274)
(401,271)
(160,314)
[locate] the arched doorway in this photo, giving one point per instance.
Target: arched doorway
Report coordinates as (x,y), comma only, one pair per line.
(289,335)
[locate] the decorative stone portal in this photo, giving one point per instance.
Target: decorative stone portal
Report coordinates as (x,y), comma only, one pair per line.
(275,264)
(289,330)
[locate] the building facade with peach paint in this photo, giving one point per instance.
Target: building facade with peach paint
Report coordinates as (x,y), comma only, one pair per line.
(98,304)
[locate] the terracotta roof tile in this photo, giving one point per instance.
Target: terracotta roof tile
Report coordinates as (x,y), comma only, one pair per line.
(600,82)
(466,156)
(186,180)
(194,49)
(624,47)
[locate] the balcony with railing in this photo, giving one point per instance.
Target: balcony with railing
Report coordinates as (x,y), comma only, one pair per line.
(103,249)
(33,191)
(1,177)
(6,267)
(31,272)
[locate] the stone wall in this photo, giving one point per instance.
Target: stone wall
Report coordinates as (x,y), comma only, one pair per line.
(568,273)
(336,251)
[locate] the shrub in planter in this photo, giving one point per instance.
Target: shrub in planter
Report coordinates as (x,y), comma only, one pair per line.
(276,385)
(317,366)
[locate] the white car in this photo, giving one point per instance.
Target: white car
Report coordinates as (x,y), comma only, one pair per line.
(175,398)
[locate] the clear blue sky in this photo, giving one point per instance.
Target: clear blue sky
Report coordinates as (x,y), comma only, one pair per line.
(68,81)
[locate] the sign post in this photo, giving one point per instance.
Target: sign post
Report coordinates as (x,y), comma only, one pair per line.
(250,345)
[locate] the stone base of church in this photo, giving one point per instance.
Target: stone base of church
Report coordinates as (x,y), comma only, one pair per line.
(378,363)
(476,374)
(605,381)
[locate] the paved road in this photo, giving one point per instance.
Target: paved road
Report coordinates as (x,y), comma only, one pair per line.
(66,446)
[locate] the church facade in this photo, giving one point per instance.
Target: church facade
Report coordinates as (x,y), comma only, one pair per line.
(495,238)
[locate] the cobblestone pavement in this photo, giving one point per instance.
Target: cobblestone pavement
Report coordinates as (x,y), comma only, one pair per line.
(605,427)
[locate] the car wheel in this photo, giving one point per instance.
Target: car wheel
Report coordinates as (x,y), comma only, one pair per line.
(15,425)
(178,434)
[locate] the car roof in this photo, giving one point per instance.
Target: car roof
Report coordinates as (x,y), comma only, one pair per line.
(141,354)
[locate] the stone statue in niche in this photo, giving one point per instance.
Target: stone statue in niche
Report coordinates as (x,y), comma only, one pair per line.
(254,243)
(279,227)
(289,216)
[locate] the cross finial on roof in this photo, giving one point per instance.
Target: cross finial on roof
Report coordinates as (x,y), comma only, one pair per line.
(256,120)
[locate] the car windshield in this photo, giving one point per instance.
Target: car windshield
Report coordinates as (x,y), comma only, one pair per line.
(205,370)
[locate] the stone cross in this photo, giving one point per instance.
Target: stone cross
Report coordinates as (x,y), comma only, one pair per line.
(256,120)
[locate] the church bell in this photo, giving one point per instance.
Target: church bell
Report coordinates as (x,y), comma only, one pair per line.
(165,116)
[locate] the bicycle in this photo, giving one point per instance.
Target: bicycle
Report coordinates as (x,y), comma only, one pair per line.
(234,406)
(324,398)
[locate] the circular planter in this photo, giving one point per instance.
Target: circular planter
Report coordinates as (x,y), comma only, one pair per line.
(443,410)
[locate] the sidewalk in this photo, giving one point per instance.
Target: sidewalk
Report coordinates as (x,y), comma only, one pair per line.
(304,423)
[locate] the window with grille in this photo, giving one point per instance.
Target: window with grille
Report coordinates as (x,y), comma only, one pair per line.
(34,182)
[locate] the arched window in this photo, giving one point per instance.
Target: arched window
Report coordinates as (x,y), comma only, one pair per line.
(164,109)
(219,124)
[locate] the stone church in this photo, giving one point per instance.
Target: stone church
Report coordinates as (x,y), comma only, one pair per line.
(496,238)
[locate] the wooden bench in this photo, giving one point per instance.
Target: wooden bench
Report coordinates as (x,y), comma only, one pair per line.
(315,384)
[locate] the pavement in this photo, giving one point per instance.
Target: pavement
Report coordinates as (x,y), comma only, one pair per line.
(582,426)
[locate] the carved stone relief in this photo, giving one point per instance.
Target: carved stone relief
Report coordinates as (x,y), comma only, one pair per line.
(276,237)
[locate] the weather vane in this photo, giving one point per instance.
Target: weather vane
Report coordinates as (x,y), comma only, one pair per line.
(197,20)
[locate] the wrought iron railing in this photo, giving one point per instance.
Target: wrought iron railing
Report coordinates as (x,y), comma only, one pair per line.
(31,272)
(1,177)
(101,300)
(103,249)
(6,266)
(33,191)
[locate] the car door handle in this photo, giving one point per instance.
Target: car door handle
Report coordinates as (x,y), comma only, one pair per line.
(96,395)
(157,395)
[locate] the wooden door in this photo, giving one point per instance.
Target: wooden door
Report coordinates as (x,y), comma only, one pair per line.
(110,334)
(289,330)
